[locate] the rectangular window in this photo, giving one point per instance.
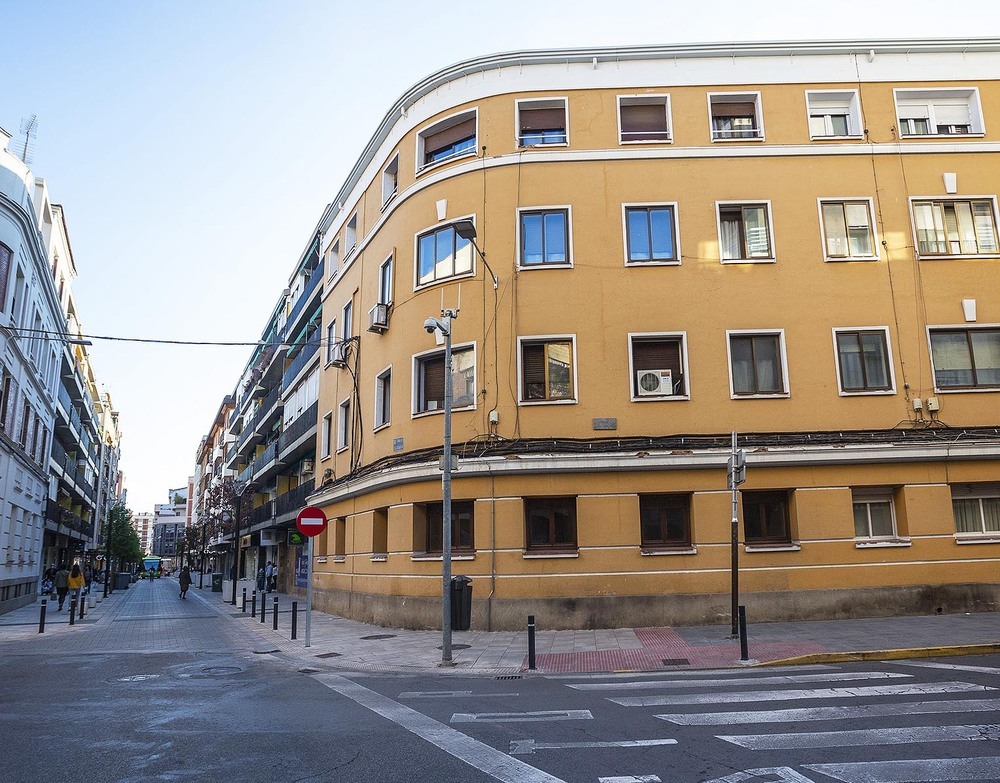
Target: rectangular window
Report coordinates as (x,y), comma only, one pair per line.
(833,114)
(550,523)
(955,227)
(757,364)
(380,533)
(847,229)
(351,235)
(343,425)
(765,518)
(735,116)
(976,508)
(938,112)
(385,282)
(665,521)
(383,398)
(332,341)
(390,180)
(429,375)
(442,254)
(644,118)
(547,372)
(545,237)
(874,516)
(966,358)
(333,258)
(650,234)
(7,388)
(461,526)
(450,138)
(863,360)
(541,122)
(6,255)
(326,435)
(744,233)
(346,321)
(658,364)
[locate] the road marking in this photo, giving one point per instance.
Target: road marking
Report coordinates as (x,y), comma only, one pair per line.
(731,673)
(816,693)
(713,683)
(954,666)
(923,770)
(631,779)
(786,774)
(855,738)
(474,753)
(520,717)
(830,713)
(528,746)
(449,695)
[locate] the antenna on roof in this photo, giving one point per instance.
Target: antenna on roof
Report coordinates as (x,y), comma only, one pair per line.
(25,148)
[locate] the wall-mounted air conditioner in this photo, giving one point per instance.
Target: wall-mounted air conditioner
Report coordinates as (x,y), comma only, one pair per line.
(378,318)
(654,383)
(269,537)
(338,354)
(308,466)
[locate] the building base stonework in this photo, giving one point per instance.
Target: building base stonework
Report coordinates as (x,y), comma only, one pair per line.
(419,612)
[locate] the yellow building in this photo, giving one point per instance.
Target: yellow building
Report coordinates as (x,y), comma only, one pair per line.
(793,241)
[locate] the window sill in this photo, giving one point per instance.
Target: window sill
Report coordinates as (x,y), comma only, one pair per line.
(956,256)
(439,558)
(631,142)
(321,559)
(526,267)
(521,146)
(431,283)
(655,262)
(380,558)
(341,449)
(661,398)
(743,139)
(388,201)
(776,396)
(656,552)
(850,136)
(848,259)
(339,559)
(439,411)
(748,260)
(438,163)
(977,539)
(324,458)
(881,543)
(549,555)
(529,403)
(953,136)
(380,427)
(754,548)
(868,393)
(966,389)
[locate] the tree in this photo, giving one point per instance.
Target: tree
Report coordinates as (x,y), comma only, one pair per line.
(123,540)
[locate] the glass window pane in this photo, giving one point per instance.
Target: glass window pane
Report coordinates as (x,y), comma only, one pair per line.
(859,228)
(881,518)
(986,357)
(876,369)
(766,361)
(555,238)
(851,371)
(560,370)
(951,359)
(531,239)
(986,230)
(732,239)
(426,263)
(663,234)
(817,125)
(463,378)
(965,229)
(930,234)
(839,123)
(463,255)
(861,520)
(742,357)
(758,242)
(967,515)
(638,235)
(991,514)
(835,227)
(444,258)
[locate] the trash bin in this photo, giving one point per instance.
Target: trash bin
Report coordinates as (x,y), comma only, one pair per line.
(216,583)
(461,603)
(122,580)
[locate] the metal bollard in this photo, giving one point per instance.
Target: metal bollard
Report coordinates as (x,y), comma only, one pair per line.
(744,650)
(72,612)
(263,608)
(83,606)
(244,600)
(253,604)
(531,642)
(274,617)
(295,618)
(41,617)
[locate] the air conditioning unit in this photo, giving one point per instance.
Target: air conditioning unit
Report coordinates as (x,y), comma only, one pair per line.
(378,318)
(654,383)
(308,466)
(338,354)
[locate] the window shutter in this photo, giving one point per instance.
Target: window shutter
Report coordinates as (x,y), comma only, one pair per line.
(542,119)
(913,112)
(448,136)
(950,114)
(433,380)
(5,256)
(657,355)
(532,368)
(644,121)
(734,109)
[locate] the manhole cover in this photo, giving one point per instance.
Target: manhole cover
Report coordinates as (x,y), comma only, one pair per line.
(221,670)
(309,670)
(138,677)
(676,662)
(265,652)
(328,655)
(379,636)
(458,646)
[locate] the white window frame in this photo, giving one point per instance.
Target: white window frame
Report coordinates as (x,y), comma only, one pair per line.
(331,340)
(417,285)
(347,321)
(871,225)
(343,425)
(676,228)
(390,180)
(333,258)
(906,96)
(766,203)
(977,491)
(648,99)
(782,353)
(441,125)
(847,98)
(952,198)
(380,384)
(742,97)
(682,336)
(965,327)
(568,264)
(385,271)
(867,497)
(540,103)
(546,338)
(888,358)
(417,358)
(351,236)
(326,436)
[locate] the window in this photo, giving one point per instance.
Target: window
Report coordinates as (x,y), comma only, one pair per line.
(390,180)
(765,518)
(383,398)
(665,521)
(346,322)
(550,522)
(547,370)
(863,360)
(955,227)
(544,237)
(6,254)
(874,516)
(966,358)
(976,508)
(735,116)
(380,534)
(541,122)
(643,118)
(333,258)
(332,342)
(847,229)
(326,435)
(461,526)
(744,234)
(450,138)
(429,377)
(344,425)
(351,235)
(651,234)
(757,364)
(442,254)
(658,366)
(941,112)
(833,114)
(385,282)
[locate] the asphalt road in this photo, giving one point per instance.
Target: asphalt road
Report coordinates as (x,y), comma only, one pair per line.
(174,691)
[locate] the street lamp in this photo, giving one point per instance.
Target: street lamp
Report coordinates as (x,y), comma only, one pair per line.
(443,325)
(249,486)
(466,229)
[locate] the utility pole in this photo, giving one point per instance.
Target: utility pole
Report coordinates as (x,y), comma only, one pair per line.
(737,474)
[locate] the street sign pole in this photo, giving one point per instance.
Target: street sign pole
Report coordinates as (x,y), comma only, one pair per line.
(310,522)
(309,592)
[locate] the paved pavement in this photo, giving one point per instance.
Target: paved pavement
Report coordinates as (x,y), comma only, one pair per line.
(336,642)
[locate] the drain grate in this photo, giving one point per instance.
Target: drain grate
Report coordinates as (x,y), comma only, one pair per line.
(458,646)
(265,652)
(328,655)
(379,636)
(676,662)
(508,677)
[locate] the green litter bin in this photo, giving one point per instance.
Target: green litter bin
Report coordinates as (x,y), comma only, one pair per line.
(216,583)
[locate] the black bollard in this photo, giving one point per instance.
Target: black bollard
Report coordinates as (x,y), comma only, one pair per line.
(244,600)
(274,617)
(531,642)
(253,604)
(83,605)
(72,612)
(295,618)
(41,617)
(744,650)
(263,608)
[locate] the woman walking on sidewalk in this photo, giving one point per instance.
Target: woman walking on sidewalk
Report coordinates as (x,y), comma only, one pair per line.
(76,583)
(185,581)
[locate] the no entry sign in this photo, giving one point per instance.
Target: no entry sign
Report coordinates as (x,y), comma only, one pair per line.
(311,521)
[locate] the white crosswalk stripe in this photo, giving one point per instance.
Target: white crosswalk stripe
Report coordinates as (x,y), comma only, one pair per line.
(982,769)
(791,679)
(863,737)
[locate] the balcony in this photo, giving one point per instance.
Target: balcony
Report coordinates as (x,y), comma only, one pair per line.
(302,358)
(311,285)
(304,425)
(265,459)
(293,501)
(262,514)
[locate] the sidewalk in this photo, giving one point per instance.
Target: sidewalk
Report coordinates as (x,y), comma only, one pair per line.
(336,642)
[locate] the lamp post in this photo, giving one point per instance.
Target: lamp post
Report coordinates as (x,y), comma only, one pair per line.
(466,229)
(236,540)
(443,325)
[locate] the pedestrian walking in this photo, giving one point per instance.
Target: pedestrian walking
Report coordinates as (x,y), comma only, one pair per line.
(61,582)
(185,581)
(268,577)
(261,580)
(76,582)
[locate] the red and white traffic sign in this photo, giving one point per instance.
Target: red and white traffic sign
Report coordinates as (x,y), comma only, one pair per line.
(311,521)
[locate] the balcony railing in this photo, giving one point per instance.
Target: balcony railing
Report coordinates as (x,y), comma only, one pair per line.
(262,513)
(304,356)
(295,499)
(298,428)
(266,456)
(311,284)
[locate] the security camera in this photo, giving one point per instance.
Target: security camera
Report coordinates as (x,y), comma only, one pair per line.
(430,325)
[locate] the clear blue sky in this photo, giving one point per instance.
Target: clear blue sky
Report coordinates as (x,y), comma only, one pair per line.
(195,143)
